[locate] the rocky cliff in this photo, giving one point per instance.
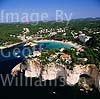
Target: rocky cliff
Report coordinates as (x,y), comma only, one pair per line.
(51,71)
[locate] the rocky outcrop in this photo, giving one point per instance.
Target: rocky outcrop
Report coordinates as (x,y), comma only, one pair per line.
(15,70)
(97,83)
(72,77)
(31,67)
(86,83)
(88,77)
(53,71)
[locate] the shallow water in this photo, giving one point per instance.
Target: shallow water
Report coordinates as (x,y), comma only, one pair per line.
(52,45)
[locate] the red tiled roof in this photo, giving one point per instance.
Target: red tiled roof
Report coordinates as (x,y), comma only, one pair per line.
(65,56)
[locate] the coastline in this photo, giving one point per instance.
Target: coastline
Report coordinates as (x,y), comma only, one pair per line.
(11,45)
(75,45)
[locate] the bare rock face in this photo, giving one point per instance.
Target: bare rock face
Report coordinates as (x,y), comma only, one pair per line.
(15,70)
(89,77)
(86,83)
(93,71)
(72,77)
(33,68)
(97,83)
(52,71)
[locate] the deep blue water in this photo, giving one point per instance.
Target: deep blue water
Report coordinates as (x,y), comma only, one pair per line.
(12,56)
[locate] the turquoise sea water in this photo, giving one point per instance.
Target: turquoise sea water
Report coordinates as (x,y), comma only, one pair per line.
(52,45)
